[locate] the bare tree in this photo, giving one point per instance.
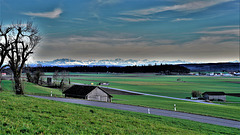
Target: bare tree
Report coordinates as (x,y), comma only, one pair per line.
(64,76)
(29,77)
(196,94)
(23,39)
(4,47)
(55,78)
(37,76)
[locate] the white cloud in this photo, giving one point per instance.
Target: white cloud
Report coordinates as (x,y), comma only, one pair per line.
(182,19)
(191,6)
(222,27)
(103,2)
(102,39)
(223,32)
(53,14)
(206,48)
(133,19)
(79,19)
(16,24)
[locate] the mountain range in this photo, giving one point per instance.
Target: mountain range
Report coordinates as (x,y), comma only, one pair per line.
(104,62)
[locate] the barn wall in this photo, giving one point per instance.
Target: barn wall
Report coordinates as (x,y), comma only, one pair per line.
(217,97)
(98,95)
(206,97)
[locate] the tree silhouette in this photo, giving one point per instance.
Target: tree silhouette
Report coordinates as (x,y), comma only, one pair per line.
(23,39)
(4,46)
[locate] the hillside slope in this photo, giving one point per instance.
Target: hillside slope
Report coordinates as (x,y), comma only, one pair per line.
(27,115)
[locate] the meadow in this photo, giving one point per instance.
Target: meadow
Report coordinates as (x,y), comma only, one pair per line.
(173,86)
(30,88)
(147,101)
(158,85)
(28,115)
(183,106)
(169,86)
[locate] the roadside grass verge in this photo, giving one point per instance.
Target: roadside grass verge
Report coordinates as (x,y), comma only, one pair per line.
(221,111)
(29,115)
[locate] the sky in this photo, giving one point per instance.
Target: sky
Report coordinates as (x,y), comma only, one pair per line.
(189,30)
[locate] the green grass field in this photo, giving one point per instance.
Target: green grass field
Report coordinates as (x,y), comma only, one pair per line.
(165,85)
(141,82)
(28,115)
(169,86)
(30,88)
(183,106)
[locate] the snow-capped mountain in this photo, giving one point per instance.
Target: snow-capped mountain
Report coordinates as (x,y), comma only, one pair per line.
(106,62)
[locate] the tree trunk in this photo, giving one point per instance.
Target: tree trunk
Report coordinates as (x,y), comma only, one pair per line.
(0,81)
(18,85)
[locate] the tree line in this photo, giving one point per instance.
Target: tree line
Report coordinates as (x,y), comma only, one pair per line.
(162,69)
(17,42)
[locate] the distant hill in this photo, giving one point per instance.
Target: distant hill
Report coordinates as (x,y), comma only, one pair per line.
(213,67)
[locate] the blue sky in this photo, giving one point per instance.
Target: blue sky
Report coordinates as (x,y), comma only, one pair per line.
(190,30)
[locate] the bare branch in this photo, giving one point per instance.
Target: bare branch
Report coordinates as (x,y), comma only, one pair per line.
(21,39)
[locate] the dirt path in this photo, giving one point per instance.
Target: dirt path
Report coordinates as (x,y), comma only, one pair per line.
(187,116)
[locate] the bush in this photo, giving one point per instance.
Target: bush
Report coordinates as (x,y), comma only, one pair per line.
(196,94)
(29,77)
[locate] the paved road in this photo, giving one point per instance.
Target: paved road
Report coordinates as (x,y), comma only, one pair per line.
(193,117)
(197,101)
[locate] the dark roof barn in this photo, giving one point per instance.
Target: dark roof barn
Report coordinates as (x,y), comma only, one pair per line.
(214,93)
(88,92)
(219,96)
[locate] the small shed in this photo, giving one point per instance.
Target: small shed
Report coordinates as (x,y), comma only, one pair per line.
(218,96)
(88,92)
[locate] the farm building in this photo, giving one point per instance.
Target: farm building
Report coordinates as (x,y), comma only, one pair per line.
(219,96)
(49,81)
(88,92)
(103,83)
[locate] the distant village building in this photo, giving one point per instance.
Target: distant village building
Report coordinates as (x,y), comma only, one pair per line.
(236,73)
(217,96)
(49,81)
(227,74)
(88,92)
(103,83)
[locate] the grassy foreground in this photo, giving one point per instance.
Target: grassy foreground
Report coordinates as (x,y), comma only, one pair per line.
(28,115)
(148,101)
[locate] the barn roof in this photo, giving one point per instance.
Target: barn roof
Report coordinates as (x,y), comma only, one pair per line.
(214,93)
(82,90)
